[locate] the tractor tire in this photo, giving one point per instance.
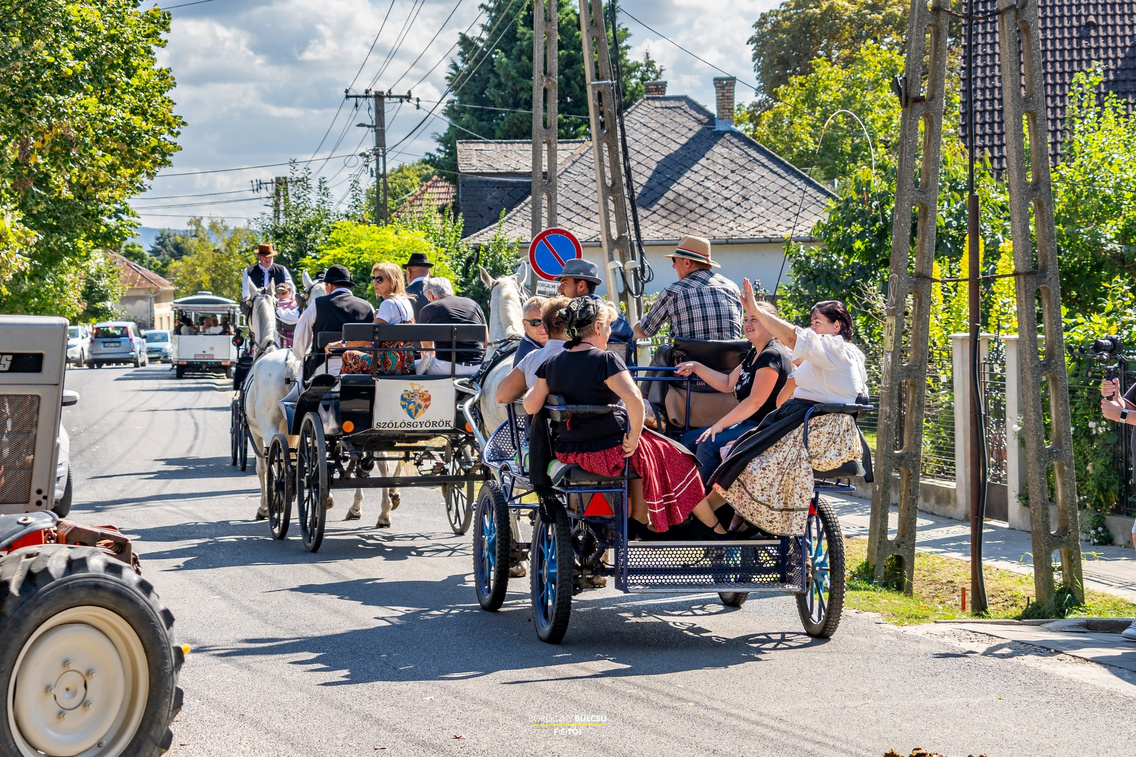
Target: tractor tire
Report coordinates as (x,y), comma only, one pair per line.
(87,659)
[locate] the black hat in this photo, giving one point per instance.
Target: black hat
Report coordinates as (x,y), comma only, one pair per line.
(338,275)
(418,259)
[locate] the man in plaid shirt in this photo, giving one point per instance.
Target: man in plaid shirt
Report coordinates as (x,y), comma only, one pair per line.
(701,304)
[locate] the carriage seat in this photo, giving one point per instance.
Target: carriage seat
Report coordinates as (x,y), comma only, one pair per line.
(317,359)
(722,355)
(861,468)
(570,474)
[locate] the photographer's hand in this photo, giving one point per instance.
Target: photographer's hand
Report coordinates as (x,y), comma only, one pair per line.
(1110,409)
(1110,388)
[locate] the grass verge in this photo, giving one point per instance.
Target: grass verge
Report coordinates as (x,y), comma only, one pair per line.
(938,590)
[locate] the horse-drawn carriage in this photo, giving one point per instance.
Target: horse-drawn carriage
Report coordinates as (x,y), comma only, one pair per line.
(351,431)
(579,535)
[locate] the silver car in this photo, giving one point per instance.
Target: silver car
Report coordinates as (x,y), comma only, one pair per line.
(78,344)
(158,345)
(117,342)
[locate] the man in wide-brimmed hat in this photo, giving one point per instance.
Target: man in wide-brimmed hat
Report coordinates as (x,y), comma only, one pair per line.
(331,311)
(417,271)
(701,304)
(264,273)
(579,278)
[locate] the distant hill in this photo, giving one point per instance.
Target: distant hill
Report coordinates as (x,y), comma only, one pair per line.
(147,234)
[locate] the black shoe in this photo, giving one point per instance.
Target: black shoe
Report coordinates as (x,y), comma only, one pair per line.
(699,531)
(638,530)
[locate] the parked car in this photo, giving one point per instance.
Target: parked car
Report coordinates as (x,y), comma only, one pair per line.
(63,485)
(78,344)
(158,345)
(117,342)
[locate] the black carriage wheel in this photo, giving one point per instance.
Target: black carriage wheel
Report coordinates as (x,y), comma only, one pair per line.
(234,430)
(85,635)
(552,567)
(278,485)
(733,598)
(823,599)
(492,544)
(243,443)
(311,482)
(459,497)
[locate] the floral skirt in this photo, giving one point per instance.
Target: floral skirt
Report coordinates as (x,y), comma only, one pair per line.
(394,358)
(671,484)
(774,490)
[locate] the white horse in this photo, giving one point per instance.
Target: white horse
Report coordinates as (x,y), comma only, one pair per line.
(267,384)
(506,302)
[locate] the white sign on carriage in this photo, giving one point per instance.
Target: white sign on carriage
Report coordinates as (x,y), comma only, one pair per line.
(418,403)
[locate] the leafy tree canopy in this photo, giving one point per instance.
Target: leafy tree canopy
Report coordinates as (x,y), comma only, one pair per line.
(822,121)
(787,39)
(85,120)
(305,221)
(492,94)
(214,260)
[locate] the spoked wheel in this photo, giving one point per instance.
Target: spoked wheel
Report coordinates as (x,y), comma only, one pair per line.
(311,482)
(88,664)
(243,444)
(552,566)
(492,542)
(235,423)
(823,599)
(460,461)
(278,484)
(733,598)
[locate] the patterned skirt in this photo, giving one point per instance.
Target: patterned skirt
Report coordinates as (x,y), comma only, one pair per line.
(395,359)
(671,484)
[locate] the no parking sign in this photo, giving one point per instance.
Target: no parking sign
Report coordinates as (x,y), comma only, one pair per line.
(551,249)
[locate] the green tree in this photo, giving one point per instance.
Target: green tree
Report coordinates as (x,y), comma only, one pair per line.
(305,221)
(1095,194)
(214,260)
(85,121)
(788,38)
(135,253)
(492,93)
(360,245)
(815,108)
(102,289)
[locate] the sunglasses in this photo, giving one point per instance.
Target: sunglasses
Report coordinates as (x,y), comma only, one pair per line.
(378,279)
(534,322)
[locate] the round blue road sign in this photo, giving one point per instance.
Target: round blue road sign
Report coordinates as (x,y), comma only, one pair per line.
(551,249)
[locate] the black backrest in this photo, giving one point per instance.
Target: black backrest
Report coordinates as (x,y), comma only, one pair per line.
(414,332)
(721,355)
(324,338)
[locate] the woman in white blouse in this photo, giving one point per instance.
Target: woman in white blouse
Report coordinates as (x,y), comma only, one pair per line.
(828,369)
(395,307)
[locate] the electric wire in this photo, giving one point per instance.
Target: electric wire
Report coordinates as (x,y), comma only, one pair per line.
(196,194)
(241,168)
(399,39)
(688,52)
(428,44)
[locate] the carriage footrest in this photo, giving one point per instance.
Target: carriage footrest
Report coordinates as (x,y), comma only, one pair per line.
(719,566)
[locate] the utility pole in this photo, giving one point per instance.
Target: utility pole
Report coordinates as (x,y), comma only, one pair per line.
(544,123)
(382,198)
(279,187)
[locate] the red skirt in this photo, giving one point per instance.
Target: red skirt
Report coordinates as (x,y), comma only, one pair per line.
(671,484)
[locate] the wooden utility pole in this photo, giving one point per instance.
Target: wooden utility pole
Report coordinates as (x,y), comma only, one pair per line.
(544,123)
(382,190)
(279,187)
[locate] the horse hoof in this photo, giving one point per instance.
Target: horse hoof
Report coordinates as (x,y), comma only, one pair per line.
(395,500)
(380,524)
(518,570)
(262,513)
(353,515)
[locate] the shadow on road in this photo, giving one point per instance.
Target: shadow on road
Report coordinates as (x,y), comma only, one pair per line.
(183,468)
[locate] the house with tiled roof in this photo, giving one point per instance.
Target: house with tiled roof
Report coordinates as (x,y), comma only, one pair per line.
(149,298)
(694,173)
(434,195)
(1074,37)
(495,176)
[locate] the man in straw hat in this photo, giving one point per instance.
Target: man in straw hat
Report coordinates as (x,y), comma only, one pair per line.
(417,271)
(701,304)
(264,273)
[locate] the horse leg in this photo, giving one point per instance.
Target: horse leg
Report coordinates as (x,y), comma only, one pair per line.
(356,511)
(388,501)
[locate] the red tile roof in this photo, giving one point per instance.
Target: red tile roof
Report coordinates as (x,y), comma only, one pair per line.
(135,276)
(434,194)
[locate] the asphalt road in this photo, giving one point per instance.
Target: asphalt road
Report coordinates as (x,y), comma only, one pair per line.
(376,643)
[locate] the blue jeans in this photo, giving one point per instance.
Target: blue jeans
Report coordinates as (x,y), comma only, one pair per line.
(709,452)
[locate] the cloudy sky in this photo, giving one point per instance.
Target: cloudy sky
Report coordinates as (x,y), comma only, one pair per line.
(261,82)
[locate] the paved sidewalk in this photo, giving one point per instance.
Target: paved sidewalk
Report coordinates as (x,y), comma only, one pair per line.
(1110,569)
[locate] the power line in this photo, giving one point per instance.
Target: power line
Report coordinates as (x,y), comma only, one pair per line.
(242,168)
(415,10)
(446,54)
(427,47)
(196,194)
(186,5)
(680,47)
(200,204)
(368,55)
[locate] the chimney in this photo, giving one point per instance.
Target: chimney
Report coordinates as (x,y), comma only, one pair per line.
(655,88)
(724,92)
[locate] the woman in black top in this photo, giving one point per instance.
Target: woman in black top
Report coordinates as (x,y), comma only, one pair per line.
(668,489)
(756,382)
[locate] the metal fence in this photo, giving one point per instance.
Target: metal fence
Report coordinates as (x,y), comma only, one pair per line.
(992,385)
(1097,441)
